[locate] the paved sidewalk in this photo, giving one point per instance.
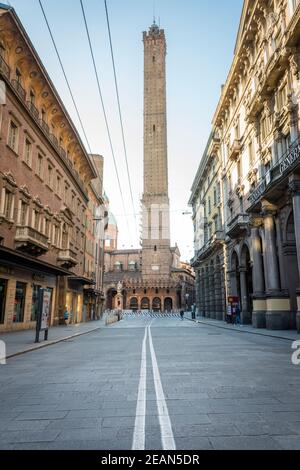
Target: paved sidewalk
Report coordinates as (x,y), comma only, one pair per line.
(19,342)
(290,335)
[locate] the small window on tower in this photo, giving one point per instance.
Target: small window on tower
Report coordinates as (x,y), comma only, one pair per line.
(155,248)
(153,59)
(154,128)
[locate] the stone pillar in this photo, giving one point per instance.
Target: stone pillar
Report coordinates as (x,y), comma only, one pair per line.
(212,292)
(245,311)
(294,188)
(201,293)
(259,298)
(218,293)
(278,303)
(206,294)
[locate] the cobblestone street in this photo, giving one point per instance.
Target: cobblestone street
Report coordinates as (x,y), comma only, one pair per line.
(219,390)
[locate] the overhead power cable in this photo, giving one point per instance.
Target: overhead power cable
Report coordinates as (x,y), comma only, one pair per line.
(69,88)
(104,111)
(120,111)
(65,75)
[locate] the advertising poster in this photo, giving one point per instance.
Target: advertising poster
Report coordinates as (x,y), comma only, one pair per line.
(46,308)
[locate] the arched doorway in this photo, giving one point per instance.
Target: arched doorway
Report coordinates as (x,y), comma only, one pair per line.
(179,296)
(145,304)
(168,304)
(246,285)
(235,276)
(156,304)
(134,305)
(111,293)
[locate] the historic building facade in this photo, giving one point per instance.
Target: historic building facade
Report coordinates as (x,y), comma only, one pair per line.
(206,200)
(151,278)
(257,121)
(45,189)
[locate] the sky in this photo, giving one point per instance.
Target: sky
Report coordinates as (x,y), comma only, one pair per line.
(200,38)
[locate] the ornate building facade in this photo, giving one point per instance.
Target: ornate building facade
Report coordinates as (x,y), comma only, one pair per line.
(257,122)
(152,278)
(46,191)
(208,219)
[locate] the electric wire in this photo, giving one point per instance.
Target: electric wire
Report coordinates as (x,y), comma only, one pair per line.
(104,111)
(119,109)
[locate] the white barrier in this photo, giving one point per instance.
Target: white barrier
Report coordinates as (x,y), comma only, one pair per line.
(2,353)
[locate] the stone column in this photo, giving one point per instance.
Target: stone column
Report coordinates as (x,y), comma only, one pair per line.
(259,298)
(245,313)
(206,294)
(294,188)
(212,292)
(218,293)
(201,293)
(278,304)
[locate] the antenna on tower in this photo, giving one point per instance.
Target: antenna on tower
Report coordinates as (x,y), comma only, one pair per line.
(154,17)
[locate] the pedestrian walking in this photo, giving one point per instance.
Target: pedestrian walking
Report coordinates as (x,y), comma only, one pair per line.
(181,314)
(66,316)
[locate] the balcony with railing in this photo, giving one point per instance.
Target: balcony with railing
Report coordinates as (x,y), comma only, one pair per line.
(4,68)
(216,240)
(67,258)
(238,225)
(45,127)
(33,110)
(54,141)
(31,241)
(234,150)
(19,89)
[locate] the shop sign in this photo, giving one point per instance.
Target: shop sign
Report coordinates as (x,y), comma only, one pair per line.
(289,161)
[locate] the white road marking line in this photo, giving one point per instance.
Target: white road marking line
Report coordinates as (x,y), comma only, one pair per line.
(167,438)
(140,417)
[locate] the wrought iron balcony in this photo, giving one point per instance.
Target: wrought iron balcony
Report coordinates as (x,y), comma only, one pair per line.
(31,241)
(19,89)
(44,126)
(4,68)
(33,110)
(238,225)
(67,258)
(54,141)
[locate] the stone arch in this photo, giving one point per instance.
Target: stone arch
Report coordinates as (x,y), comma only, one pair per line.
(133,304)
(156,304)
(168,304)
(289,229)
(145,303)
(246,284)
(110,295)
(235,274)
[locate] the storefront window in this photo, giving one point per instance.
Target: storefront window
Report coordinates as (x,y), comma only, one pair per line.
(3,285)
(19,302)
(35,303)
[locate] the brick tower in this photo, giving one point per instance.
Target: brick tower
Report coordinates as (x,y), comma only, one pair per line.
(156,252)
